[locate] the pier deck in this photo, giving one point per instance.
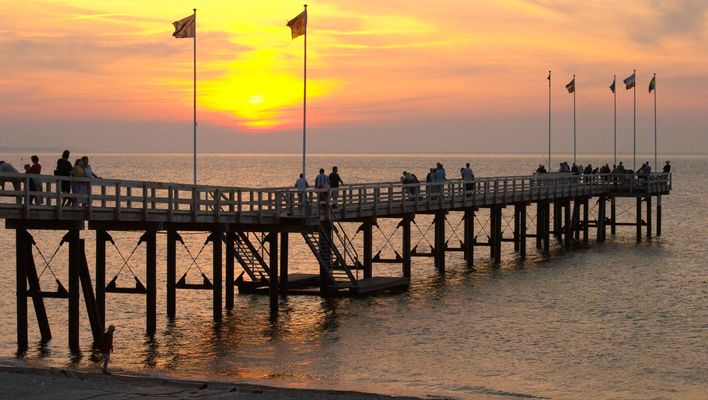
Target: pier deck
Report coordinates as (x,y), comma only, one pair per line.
(250,227)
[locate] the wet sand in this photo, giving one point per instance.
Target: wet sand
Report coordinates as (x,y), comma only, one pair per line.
(18,382)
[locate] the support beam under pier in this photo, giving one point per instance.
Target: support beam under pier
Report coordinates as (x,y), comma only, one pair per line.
(406,245)
(101,238)
(21,288)
(150,239)
(273,265)
(217,278)
(284,244)
(469,236)
(649,216)
(639,219)
(172,238)
(440,241)
(229,239)
(74,259)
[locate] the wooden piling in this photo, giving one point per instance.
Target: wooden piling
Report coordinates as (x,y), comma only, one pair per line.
(495,220)
(101,238)
(37,300)
(568,231)
(367,227)
(273,250)
(517,226)
(440,241)
(639,219)
(89,298)
(539,224)
(172,237)
(586,220)
(469,236)
(150,239)
(577,203)
(601,210)
(658,215)
(406,246)
(284,244)
(21,288)
(613,215)
(649,216)
(217,278)
(229,239)
(558,220)
(74,260)
(522,231)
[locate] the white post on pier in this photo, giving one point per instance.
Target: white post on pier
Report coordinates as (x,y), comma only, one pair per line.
(549,120)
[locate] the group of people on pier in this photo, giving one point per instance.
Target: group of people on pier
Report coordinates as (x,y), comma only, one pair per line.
(80,169)
(643,171)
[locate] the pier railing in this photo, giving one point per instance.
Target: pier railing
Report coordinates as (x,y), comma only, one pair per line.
(25,196)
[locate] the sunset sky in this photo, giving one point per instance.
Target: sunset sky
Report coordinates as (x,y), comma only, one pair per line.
(398,76)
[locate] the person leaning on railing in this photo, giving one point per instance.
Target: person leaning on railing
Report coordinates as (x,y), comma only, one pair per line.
(16,182)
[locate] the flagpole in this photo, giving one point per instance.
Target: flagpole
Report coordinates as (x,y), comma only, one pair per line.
(656,165)
(304,102)
(574,87)
(614,82)
(195,96)
(634,154)
(549,120)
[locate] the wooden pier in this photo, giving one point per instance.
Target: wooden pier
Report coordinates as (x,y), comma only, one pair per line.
(251,227)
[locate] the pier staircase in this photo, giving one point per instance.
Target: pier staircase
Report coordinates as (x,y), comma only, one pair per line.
(335,266)
(253,261)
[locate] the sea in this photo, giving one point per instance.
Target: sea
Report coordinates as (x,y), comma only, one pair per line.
(613,320)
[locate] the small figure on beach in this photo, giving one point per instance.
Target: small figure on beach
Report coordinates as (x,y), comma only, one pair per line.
(334,181)
(107,347)
(64,168)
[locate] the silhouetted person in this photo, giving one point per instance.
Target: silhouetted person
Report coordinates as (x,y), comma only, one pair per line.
(667,168)
(35,184)
(301,184)
(468,177)
(322,182)
(64,168)
(334,181)
(107,347)
(77,188)
(16,182)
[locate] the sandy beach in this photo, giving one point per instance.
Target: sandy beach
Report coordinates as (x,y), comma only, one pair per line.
(19,382)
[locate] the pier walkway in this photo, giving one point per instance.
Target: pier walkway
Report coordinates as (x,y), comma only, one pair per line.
(252,227)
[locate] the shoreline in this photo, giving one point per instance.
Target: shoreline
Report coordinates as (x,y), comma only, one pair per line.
(26,382)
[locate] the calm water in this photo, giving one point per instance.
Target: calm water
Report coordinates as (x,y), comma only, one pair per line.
(617,320)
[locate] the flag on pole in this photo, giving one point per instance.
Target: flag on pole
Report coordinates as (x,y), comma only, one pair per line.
(652,84)
(185,28)
(298,25)
(549,75)
(630,81)
(571,86)
(613,87)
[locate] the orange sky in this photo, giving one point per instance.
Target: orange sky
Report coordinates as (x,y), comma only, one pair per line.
(399,69)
